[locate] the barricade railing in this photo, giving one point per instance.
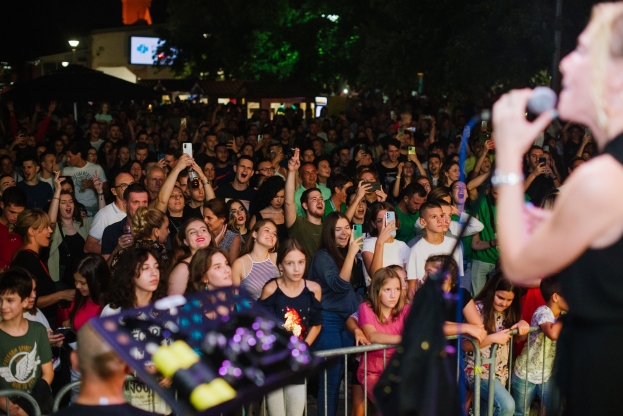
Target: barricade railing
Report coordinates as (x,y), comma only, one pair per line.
(7,393)
(479,361)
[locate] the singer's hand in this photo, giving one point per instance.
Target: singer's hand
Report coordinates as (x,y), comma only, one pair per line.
(514,134)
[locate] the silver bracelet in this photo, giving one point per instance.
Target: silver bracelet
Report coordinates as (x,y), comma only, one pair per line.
(499,178)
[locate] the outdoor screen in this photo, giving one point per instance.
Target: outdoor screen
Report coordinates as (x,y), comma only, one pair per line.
(143,49)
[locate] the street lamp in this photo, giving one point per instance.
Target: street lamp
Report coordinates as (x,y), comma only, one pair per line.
(74,44)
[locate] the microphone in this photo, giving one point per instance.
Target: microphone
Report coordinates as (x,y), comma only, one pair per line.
(543,99)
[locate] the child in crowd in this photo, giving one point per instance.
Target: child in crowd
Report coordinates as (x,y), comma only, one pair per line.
(209,270)
(434,242)
(295,301)
(25,353)
(499,307)
(381,319)
(532,375)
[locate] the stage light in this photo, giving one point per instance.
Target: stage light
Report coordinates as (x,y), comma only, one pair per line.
(74,43)
(65,63)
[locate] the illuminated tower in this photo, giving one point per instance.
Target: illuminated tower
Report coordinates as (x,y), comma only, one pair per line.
(136,10)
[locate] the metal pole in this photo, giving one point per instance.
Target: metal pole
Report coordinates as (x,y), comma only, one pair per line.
(557,46)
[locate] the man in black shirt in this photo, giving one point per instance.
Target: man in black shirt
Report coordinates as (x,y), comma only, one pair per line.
(102,377)
(239,188)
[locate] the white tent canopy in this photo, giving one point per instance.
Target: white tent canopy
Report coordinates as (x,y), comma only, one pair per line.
(120,72)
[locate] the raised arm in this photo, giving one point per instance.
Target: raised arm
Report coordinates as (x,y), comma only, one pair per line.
(53,210)
(207,186)
(361,193)
(167,186)
(290,207)
(484,154)
(420,168)
(396,188)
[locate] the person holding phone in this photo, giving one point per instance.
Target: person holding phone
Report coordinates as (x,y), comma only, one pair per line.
(382,249)
(537,183)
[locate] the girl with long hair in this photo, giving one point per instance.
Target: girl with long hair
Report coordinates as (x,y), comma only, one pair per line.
(34,228)
(270,201)
(300,299)
(137,282)
(334,268)
(258,262)
(92,281)
(209,270)
(69,236)
(150,228)
(449,173)
(216,214)
(238,219)
(381,319)
(192,236)
(499,308)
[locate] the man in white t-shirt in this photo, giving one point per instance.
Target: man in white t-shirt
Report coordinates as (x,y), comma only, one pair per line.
(434,242)
(82,174)
(110,214)
(94,135)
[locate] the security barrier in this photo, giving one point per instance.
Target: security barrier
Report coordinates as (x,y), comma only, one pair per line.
(479,361)
(33,403)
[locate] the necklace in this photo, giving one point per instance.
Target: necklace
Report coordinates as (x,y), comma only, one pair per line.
(176,224)
(272,211)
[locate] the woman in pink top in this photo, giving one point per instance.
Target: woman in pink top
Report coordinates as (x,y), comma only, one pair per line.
(91,277)
(381,319)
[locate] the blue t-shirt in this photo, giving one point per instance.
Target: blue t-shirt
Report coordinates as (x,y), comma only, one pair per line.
(38,195)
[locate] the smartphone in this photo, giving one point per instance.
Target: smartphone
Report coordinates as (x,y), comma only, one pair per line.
(127,229)
(411,150)
(484,125)
(375,186)
(392,115)
(426,118)
(183,121)
(360,147)
(411,129)
(389,217)
(62,330)
(160,156)
(188,149)
(260,137)
(542,160)
(587,132)
(357,231)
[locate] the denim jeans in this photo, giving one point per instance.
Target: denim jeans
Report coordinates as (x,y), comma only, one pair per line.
(524,392)
(503,403)
(332,335)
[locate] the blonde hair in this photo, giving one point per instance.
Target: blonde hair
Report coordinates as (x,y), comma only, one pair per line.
(145,221)
(36,219)
(606,32)
(379,278)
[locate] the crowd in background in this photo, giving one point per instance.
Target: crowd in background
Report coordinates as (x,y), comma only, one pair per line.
(332,223)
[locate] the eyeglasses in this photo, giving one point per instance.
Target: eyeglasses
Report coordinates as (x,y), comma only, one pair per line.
(125,185)
(267,169)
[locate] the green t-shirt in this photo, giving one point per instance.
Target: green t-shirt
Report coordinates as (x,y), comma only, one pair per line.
(307,234)
(328,208)
(22,357)
(487,213)
(406,232)
(326,194)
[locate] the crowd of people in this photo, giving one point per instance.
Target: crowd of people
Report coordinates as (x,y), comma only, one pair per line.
(331,221)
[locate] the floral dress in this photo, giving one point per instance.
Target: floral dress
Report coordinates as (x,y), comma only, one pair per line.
(501,356)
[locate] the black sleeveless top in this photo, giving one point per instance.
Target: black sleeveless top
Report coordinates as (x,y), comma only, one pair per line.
(593,284)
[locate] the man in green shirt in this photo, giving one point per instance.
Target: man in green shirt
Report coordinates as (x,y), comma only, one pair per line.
(308,228)
(407,210)
(338,185)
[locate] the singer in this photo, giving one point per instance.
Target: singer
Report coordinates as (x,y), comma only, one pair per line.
(583,237)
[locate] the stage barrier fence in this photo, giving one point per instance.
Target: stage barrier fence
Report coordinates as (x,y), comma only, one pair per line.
(479,361)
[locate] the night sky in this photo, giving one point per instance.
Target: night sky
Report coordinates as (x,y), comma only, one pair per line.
(32,28)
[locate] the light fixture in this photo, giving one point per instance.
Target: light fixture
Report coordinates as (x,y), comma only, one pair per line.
(345,91)
(65,63)
(74,43)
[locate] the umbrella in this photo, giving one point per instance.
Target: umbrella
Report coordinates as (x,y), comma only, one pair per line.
(76,84)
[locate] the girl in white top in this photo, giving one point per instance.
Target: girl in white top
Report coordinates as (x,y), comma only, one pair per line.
(192,236)
(382,249)
(257,265)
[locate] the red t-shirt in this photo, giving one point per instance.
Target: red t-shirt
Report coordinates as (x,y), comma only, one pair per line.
(530,302)
(87,311)
(9,244)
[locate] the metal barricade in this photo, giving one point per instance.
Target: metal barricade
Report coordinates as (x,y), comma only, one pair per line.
(31,400)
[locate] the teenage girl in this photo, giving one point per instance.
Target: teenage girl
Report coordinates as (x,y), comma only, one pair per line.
(192,236)
(257,264)
(295,301)
(499,307)
(381,319)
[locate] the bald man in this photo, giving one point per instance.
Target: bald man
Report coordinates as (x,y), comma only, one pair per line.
(103,375)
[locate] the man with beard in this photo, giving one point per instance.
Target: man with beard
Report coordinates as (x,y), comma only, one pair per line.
(38,193)
(224,170)
(309,180)
(408,210)
(239,188)
(308,228)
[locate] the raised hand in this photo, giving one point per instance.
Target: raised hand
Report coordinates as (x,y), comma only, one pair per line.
(58,180)
(294,163)
(97,183)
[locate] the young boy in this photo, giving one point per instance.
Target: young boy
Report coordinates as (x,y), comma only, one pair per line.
(532,377)
(25,353)
(434,242)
